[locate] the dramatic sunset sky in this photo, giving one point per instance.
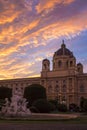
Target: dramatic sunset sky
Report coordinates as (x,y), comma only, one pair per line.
(31,30)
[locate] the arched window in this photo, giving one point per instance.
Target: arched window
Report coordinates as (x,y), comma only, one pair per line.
(82,88)
(45,66)
(57,81)
(64,88)
(71,63)
(79,69)
(63,99)
(59,63)
(56,88)
(53,65)
(67,64)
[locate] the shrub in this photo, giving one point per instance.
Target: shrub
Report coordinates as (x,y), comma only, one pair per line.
(82,100)
(2,102)
(85,105)
(62,107)
(43,106)
(54,102)
(34,92)
(73,107)
(5,92)
(34,109)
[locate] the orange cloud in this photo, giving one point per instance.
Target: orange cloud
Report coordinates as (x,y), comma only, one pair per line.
(71,27)
(49,4)
(14,69)
(8,14)
(36,33)
(8,19)
(10,34)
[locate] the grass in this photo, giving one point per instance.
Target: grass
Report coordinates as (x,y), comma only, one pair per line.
(78,120)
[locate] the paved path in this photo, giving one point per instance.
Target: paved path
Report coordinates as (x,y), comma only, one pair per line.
(42,126)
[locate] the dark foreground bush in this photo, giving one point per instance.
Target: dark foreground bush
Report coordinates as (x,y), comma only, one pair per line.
(62,107)
(2,102)
(34,109)
(43,106)
(5,93)
(54,102)
(34,92)
(73,107)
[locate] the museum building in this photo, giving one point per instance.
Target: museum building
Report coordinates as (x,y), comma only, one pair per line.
(66,82)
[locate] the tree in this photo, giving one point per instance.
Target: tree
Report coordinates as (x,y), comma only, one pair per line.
(34,92)
(5,92)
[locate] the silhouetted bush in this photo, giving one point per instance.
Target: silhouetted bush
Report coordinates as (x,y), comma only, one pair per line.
(2,102)
(62,107)
(34,109)
(43,106)
(85,105)
(82,101)
(73,107)
(55,103)
(34,92)
(5,92)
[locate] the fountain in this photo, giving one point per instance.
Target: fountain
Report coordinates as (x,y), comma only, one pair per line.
(17,107)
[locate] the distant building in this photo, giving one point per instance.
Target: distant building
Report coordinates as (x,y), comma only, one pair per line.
(66,82)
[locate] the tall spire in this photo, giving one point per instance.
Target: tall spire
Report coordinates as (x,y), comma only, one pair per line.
(63,41)
(63,45)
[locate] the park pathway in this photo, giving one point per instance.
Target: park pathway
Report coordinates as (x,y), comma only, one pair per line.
(42,126)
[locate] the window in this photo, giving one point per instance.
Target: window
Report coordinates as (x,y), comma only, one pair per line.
(64,81)
(78,69)
(67,64)
(57,81)
(64,98)
(71,63)
(54,65)
(59,63)
(45,66)
(56,88)
(64,88)
(70,81)
(82,88)
(42,82)
(16,84)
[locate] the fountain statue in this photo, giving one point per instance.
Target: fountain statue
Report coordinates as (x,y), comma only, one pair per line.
(18,105)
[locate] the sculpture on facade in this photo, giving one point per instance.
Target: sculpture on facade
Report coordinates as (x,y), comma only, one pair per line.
(17,106)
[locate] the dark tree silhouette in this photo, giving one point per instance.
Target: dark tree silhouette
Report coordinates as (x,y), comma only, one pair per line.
(34,92)
(5,92)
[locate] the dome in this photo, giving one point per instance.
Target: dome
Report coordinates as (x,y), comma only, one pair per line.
(79,64)
(45,60)
(63,51)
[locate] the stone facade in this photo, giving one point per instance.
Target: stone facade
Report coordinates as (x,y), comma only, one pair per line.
(66,82)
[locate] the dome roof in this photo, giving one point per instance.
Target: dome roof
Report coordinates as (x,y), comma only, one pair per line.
(45,60)
(63,51)
(79,64)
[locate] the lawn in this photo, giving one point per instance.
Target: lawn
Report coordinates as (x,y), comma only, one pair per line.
(79,120)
